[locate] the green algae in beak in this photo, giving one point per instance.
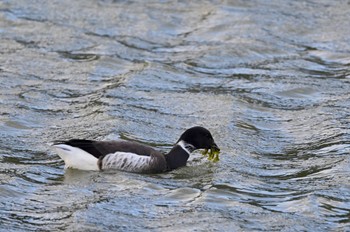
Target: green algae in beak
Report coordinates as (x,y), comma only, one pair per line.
(213,153)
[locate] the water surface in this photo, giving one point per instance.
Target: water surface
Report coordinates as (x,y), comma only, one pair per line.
(270,79)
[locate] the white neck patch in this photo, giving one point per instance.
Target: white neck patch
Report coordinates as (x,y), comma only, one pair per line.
(189,148)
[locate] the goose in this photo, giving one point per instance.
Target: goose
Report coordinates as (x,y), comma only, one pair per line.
(132,156)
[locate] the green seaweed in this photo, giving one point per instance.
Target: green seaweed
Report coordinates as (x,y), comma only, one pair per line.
(213,154)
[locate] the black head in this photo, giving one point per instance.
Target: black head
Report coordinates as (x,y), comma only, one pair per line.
(199,137)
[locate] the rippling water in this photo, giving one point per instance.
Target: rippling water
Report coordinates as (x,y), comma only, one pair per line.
(270,79)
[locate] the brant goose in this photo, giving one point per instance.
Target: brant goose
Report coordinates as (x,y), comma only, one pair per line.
(132,156)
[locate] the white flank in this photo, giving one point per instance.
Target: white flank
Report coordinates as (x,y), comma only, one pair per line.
(76,158)
(127,161)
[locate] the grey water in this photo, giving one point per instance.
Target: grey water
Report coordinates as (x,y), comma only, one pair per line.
(269,79)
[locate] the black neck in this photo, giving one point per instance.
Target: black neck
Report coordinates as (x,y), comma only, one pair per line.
(177,157)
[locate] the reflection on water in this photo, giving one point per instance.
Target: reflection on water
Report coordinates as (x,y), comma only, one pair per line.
(269,79)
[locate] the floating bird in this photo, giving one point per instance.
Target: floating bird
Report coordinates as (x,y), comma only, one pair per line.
(133,156)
